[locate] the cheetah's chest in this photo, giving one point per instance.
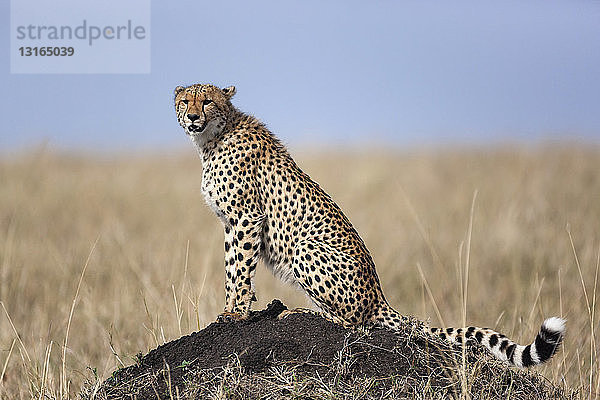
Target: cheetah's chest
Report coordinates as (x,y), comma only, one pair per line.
(210,191)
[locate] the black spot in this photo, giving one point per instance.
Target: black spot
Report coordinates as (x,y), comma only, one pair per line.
(510,352)
(479,336)
(504,344)
(442,335)
(493,340)
(240,235)
(549,336)
(526,356)
(247,246)
(545,349)
(449,330)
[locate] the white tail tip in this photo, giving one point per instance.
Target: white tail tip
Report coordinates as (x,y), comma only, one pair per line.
(555,324)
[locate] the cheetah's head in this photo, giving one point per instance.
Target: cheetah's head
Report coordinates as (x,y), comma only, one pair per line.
(203,109)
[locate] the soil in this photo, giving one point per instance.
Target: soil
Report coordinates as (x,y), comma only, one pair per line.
(313,347)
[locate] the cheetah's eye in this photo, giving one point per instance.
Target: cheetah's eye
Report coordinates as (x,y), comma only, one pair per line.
(207,102)
(184,101)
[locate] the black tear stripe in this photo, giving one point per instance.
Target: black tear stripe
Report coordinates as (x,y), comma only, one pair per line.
(526,356)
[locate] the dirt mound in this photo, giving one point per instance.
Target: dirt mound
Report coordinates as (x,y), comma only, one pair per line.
(306,356)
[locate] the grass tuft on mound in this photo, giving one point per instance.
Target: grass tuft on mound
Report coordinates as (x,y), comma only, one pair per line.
(306,356)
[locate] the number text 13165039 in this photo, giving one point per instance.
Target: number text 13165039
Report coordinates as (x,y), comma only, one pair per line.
(46,51)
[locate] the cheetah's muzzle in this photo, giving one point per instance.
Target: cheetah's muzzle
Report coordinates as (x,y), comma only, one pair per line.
(194,128)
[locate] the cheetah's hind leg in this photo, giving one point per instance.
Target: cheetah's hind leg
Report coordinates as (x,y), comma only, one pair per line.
(301,310)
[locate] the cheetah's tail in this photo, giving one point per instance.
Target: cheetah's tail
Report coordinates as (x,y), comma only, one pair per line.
(545,345)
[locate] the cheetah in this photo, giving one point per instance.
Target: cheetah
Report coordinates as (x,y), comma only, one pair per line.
(272,211)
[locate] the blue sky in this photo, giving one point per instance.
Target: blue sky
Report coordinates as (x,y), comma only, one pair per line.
(399,72)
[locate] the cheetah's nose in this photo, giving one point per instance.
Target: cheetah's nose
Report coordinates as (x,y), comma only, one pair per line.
(193,117)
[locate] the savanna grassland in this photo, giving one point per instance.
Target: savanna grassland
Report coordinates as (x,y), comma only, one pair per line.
(103,257)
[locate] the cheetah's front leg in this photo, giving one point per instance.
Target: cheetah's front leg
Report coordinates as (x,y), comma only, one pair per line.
(229,270)
(242,249)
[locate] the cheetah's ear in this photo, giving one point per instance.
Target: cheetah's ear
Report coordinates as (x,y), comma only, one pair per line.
(229,92)
(178,90)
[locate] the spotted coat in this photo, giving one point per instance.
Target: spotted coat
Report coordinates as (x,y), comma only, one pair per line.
(271,210)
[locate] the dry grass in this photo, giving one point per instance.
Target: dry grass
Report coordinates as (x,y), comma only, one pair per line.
(155,269)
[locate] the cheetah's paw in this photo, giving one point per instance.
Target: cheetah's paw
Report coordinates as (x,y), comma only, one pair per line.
(230,317)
